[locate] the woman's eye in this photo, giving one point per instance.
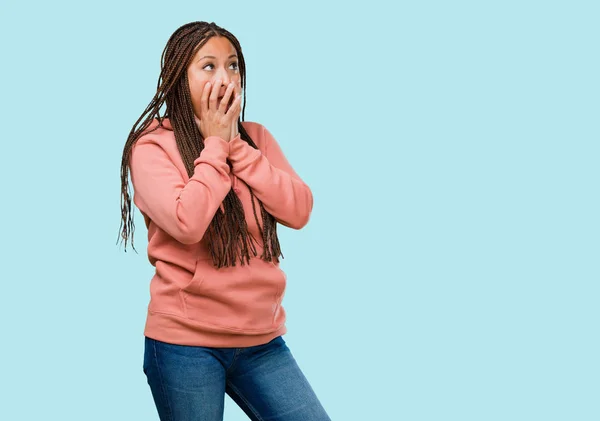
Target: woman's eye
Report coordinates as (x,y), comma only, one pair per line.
(233,64)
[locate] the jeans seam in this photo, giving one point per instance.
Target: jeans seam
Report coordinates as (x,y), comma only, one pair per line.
(160,380)
(236,390)
(238,351)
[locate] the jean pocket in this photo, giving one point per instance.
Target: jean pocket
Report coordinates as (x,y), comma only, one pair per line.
(147,355)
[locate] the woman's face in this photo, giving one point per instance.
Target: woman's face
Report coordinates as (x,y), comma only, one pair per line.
(217,59)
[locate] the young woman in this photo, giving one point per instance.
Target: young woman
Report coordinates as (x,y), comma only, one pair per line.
(215,320)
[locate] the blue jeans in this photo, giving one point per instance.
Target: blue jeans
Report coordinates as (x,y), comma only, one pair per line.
(189,382)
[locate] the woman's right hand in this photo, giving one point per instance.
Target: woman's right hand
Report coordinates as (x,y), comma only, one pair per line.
(214,119)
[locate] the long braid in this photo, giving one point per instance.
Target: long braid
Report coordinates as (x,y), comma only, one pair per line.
(227,234)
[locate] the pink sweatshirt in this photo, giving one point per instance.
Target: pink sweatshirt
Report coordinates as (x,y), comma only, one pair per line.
(191,301)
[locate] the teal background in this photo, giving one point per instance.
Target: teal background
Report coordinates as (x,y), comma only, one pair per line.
(450,267)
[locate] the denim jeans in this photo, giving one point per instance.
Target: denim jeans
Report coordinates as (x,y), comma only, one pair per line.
(189,382)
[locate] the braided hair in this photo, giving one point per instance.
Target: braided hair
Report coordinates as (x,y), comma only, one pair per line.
(227,234)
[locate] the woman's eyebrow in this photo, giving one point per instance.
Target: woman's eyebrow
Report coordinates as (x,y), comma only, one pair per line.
(201,58)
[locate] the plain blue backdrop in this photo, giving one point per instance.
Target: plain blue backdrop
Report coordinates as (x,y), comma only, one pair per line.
(450,267)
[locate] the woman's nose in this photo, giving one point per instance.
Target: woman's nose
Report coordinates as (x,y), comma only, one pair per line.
(224,84)
(224,80)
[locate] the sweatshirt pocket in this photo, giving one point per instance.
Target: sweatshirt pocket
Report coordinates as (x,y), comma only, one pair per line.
(244,299)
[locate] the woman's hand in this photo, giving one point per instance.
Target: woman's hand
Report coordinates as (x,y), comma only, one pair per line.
(234,127)
(215,118)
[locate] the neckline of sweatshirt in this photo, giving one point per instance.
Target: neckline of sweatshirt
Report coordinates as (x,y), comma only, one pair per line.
(191,301)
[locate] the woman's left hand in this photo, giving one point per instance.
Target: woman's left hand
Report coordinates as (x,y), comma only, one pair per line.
(234,129)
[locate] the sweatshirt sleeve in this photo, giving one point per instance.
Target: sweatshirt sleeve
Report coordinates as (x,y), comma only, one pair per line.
(273,180)
(183,210)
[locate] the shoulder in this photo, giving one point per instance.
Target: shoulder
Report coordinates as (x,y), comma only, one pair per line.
(253,128)
(257,132)
(157,133)
(155,142)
